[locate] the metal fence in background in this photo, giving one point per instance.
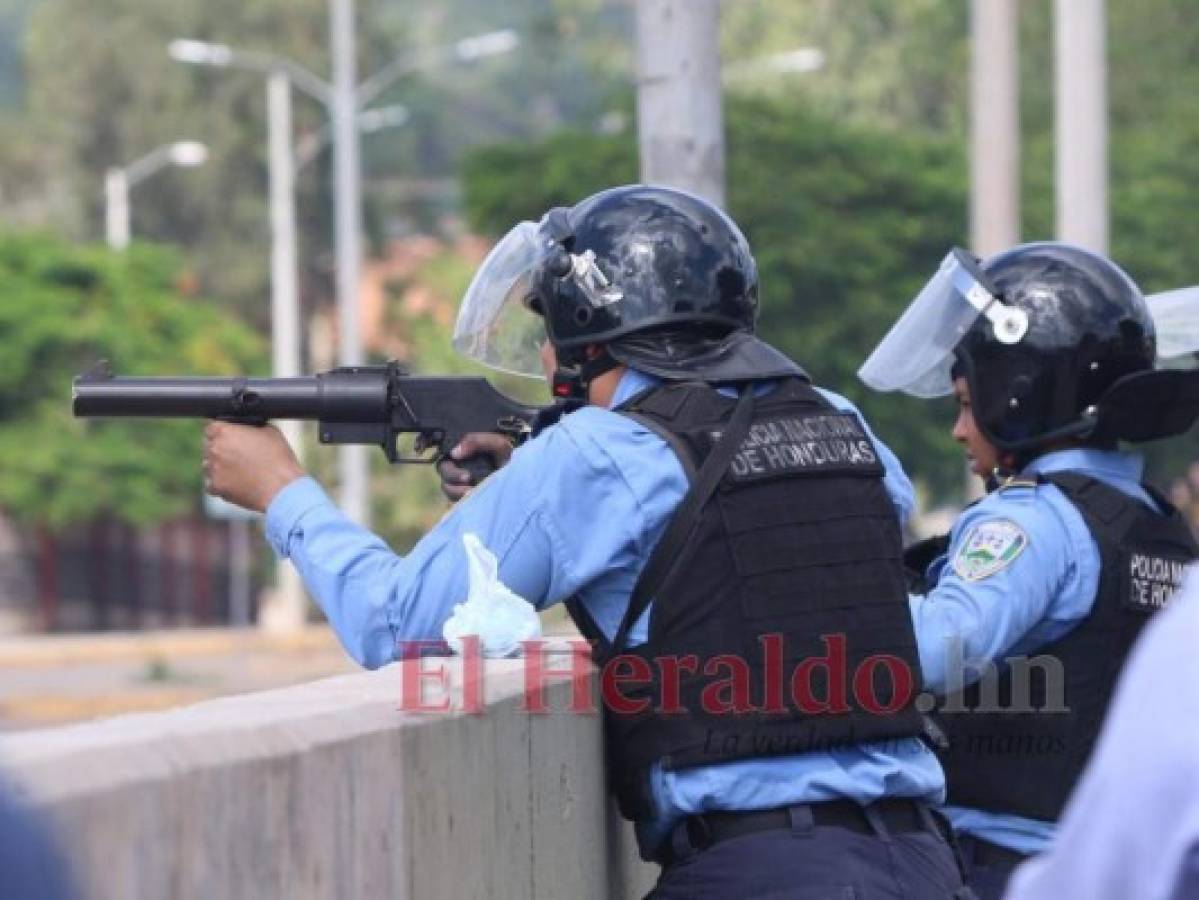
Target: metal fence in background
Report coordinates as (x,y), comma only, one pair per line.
(108,575)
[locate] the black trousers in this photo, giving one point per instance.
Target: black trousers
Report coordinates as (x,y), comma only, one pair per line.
(988,866)
(817,862)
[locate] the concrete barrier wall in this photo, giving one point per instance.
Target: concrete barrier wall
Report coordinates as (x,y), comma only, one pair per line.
(327,790)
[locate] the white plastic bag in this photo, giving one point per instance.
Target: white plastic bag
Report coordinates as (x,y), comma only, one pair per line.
(499,617)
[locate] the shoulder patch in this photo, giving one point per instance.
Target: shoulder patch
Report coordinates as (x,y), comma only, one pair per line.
(989,548)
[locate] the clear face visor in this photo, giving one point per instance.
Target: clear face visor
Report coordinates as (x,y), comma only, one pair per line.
(1176,320)
(916,356)
(495,324)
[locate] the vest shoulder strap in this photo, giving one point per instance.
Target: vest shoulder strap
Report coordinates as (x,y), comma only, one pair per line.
(1103,504)
(686,517)
(1111,513)
(584,621)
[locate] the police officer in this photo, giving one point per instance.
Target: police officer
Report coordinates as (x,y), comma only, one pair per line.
(1050,351)
(697,500)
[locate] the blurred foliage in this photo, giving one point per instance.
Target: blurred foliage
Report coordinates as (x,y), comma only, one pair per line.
(848,221)
(888,64)
(65,307)
(506,183)
(13,14)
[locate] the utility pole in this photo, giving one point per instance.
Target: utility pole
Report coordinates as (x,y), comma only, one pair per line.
(289,607)
(116,209)
(680,121)
(994,138)
(285,305)
(994,126)
(353,462)
(120,180)
(1080,122)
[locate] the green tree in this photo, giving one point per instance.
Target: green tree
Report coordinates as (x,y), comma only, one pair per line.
(847,222)
(65,308)
(897,65)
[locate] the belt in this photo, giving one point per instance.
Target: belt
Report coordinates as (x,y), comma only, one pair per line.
(699,832)
(984,853)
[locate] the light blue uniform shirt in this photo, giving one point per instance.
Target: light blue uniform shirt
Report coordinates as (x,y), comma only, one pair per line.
(1037,598)
(577,511)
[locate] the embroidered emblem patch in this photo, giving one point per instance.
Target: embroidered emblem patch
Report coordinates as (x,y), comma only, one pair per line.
(989,548)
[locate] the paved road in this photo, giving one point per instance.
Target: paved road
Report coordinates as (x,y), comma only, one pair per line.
(54,680)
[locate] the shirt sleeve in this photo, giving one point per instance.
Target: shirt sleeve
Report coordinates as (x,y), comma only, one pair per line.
(896,480)
(376,599)
(1010,559)
(562,515)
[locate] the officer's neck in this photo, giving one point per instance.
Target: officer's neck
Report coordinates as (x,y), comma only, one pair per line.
(602,388)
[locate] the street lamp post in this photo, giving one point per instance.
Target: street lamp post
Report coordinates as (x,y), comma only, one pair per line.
(680,117)
(288,609)
(353,462)
(311,145)
(346,103)
(1081,122)
(285,304)
(119,181)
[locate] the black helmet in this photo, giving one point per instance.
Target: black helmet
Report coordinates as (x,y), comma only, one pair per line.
(664,280)
(1088,327)
(1055,343)
(641,258)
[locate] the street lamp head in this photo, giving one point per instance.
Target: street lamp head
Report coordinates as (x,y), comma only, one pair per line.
(806,59)
(188,153)
(200,53)
(493,43)
(382,117)
(796,62)
(761,69)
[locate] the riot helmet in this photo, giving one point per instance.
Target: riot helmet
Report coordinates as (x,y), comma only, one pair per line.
(663,279)
(1054,341)
(1088,326)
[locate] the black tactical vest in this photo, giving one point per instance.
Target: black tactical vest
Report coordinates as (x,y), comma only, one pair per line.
(793,564)
(1025,755)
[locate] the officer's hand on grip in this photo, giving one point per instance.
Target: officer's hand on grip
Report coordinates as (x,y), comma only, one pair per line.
(458,477)
(246,465)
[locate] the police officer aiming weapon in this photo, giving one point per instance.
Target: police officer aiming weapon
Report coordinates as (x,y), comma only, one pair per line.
(355,405)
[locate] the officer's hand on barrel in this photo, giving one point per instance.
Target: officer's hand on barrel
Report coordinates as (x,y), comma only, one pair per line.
(457,481)
(247,465)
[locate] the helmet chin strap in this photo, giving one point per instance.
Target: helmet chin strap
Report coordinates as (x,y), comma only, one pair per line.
(573,376)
